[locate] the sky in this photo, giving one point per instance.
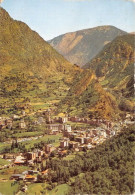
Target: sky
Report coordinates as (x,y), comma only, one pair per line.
(51,18)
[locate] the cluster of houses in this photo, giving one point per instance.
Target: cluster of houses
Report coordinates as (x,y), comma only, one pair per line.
(29,176)
(72,140)
(84,139)
(8,122)
(36,156)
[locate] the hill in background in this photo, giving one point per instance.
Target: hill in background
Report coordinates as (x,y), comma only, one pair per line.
(81,46)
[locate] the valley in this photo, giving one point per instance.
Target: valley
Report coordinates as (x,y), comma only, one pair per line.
(66,127)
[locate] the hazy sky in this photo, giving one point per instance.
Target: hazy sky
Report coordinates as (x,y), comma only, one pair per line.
(51,18)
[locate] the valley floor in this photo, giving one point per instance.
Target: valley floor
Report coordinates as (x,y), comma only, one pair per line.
(29,143)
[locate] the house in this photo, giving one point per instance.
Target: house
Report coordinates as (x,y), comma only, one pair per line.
(31,163)
(31,156)
(40,153)
(38,159)
(80,140)
(16,117)
(95,132)
(112,133)
(54,132)
(68,128)
(89,146)
(25,173)
(73,145)
(45,172)
(30,178)
(62,153)
(22,124)
(64,143)
(20,163)
(62,120)
(87,140)
(81,148)
(17,177)
(102,133)
(49,148)
(31,172)
(20,160)
(40,120)
(55,127)
(72,136)
(75,119)
(9,156)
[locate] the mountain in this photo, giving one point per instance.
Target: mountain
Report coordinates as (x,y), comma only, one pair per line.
(87,98)
(81,46)
(27,62)
(114,66)
(106,86)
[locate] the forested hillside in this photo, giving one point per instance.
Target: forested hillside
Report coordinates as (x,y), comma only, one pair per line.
(107,169)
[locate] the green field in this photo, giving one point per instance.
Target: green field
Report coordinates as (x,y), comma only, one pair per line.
(59,190)
(30,144)
(39,188)
(55,138)
(3,162)
(7,189)
(5,184)
(3,146)
(35,189)
(27,134)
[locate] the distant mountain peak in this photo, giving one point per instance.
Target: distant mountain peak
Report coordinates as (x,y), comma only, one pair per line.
(81,46)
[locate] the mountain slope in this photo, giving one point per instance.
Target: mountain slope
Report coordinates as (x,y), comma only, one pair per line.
(109,168)
(114,65)
(24,48)
(81,46)
(87,98)
(26,62)
(105,169)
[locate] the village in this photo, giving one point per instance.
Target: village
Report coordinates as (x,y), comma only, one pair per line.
(72,139)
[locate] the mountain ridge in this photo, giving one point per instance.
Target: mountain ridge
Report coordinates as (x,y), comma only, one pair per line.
(115,61)
(81,46)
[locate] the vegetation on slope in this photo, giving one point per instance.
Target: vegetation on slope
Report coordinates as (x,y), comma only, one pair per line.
(86,97)
(115,64)
(107,169)
(27,61)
